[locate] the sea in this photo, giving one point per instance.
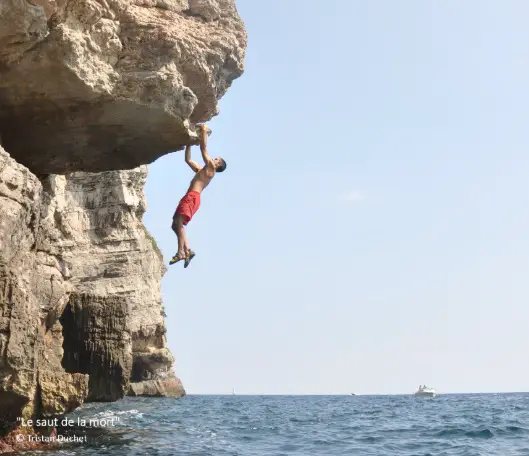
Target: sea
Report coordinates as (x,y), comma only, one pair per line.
(447,425)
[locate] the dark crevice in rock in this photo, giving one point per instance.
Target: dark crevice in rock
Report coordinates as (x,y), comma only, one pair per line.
(12,405)
(37,404)
(95,342)
(191,13)
(144,367)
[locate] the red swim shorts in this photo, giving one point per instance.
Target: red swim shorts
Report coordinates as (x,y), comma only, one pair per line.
(188,205)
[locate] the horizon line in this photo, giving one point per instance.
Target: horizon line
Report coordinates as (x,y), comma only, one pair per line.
(353,394)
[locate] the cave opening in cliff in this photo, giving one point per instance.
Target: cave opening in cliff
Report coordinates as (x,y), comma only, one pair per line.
(75,357)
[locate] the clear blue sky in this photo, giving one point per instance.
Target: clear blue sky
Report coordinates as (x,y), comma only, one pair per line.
(371,231)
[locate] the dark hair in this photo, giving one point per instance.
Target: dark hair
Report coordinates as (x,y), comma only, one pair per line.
(221,166)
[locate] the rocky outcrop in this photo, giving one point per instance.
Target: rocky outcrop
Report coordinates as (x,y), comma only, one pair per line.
(95,226)
(32,286)
(90,92)
(111,84)
(81,315)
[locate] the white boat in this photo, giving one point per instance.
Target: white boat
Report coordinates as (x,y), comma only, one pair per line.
(425,391)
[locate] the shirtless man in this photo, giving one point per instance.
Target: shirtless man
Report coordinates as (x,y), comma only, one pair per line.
(190,203)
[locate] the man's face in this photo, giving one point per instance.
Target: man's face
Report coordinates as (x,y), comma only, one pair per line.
(217,161)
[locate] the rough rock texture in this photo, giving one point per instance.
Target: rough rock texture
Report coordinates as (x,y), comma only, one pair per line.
(32,286)
(90,92)
(81,314)
(97,85)
(95,221)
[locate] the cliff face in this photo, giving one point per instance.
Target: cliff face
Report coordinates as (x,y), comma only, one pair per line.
(33,288)
(81,315)
(94,223)
(90,92)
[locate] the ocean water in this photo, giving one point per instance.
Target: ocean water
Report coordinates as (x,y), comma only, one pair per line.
(463,425)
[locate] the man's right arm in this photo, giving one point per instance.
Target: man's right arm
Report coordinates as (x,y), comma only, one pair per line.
(192,164)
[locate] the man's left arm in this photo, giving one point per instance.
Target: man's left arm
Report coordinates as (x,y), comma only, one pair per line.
(210,166)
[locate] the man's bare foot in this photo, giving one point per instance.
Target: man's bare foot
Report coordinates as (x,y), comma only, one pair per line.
(189,257)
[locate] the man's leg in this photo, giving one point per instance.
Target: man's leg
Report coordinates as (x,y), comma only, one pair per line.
(178,228)
(185,246)
(189,255)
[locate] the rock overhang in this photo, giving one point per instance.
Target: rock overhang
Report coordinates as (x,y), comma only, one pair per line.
(113,84)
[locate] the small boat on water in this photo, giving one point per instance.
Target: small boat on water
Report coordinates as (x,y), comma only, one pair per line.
(425,391)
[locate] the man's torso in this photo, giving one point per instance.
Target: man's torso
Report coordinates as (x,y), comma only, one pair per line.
(201,180)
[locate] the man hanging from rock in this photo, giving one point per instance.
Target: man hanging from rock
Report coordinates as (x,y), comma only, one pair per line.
(190,203)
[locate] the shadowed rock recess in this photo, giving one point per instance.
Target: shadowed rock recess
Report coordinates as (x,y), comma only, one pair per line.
(90,92)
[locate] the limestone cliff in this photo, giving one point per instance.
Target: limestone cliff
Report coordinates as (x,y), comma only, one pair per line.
(90,92)
(96,85)
(81,316)
(93,222)
(32,288)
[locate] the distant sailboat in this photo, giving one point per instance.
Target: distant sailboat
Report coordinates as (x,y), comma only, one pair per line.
(233,391)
